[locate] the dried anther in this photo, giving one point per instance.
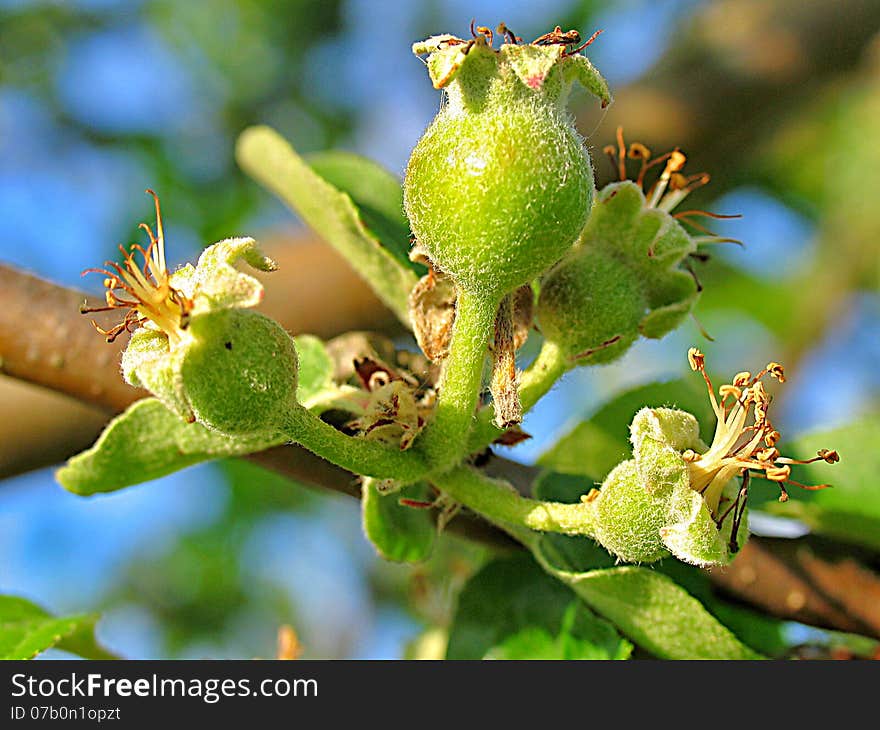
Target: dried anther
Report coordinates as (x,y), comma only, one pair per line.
(739,447)
(144,290)
(558,37)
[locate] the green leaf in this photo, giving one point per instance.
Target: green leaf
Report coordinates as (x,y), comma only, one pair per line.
(145,442)
(400,533)
(850,509)
(581,636)
(579,68)
(513,609)
(26,630)
(377,194)
(333,214)
(653,611)
(596,446)
(762,632)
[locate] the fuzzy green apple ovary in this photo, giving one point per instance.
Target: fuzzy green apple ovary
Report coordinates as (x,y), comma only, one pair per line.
(498,196)
(500,185)
(590,306)
(239,372)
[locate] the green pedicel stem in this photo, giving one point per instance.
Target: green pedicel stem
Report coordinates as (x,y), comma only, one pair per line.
(445,438)
(358,455)
(501,504)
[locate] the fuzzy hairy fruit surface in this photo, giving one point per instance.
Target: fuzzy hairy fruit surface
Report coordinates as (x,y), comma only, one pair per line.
(647,507)
(500,185)
(239,373)
(588,299)
(498,195)
(630,516)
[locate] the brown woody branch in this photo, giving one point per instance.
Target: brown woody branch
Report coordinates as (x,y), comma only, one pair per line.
(810,579)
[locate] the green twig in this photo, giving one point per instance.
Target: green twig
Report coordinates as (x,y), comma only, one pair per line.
(498,502)
(445,439)
(358,455)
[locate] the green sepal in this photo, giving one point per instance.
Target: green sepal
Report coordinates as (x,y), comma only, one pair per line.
(149,363)
(677,429)
(532,64)
(671,299)
(434,43)
(693,536)
(398,532)
(219,285)
(649,239)
(579,68)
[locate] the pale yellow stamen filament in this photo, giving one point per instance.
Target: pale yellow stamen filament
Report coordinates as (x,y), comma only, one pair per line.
(736,447)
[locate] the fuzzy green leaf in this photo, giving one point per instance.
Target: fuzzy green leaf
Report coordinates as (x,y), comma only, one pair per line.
(400,533)
(595,446)
(377,194)
(850,509)
(146,442)
(763,633)
(270,159)
(653,611)
(26,630)
(511,609)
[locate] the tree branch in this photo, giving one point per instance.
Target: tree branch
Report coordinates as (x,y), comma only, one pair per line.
(808,579)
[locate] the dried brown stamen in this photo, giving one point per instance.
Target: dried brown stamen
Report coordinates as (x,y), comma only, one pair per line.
(511,37)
